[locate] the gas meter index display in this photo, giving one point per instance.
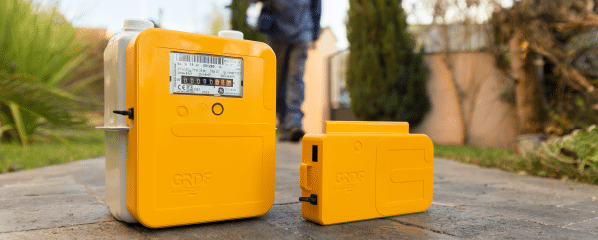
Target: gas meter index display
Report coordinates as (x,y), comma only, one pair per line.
(202,74)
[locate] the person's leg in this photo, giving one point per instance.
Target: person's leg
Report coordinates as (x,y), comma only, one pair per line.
(295,89)
(281,52)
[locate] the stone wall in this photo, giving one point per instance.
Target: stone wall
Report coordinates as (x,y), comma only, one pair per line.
(491,121)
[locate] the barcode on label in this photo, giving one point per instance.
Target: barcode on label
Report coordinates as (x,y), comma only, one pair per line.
(201,59)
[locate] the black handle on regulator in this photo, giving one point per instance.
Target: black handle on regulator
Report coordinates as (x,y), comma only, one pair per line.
(129,113)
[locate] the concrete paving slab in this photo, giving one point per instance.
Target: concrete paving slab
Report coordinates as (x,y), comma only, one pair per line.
(47,199)
(591,206)
(456,172)
(467,223)
(90,166)
(101,230)
(286,190)
(492,186)
(50,185)
(536,198)
(288,160)
(547,215)
(252,228)
(284,221)
(437,217)
(40,212)
(371,229)
(490,194)
(508,228)
(590,225)
(98,192)
(66,202)
(288,217)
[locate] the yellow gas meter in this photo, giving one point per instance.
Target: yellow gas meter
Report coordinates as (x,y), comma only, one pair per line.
(201,117)
(364,170)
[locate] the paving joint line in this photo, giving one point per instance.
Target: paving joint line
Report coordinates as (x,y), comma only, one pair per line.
(515,218)
(87,189)
(43,195)
(72,225)
(569,208)
(447,205)
(289,230)
(587,220)
(528,203)
(509,217)
(143,234)
(531,221)
(594,233)
(287,203)
(424,228)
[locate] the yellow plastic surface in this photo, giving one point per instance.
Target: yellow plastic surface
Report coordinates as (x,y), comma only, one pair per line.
(363,174)
(186,164)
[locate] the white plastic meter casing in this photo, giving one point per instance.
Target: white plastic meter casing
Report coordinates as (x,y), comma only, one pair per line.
(115,126)
(231,34)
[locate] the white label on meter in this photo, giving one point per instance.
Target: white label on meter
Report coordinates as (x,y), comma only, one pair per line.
(202,74)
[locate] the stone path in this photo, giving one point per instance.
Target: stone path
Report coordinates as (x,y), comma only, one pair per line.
(67,201)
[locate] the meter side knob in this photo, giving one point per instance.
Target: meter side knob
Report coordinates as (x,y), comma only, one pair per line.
(313,199)
(129,113)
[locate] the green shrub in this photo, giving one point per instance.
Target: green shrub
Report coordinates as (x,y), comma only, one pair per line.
(36,99)
(36,43)
(574,156)
(386,78)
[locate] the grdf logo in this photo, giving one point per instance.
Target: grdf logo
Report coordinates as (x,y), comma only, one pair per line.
(192,179)
(350,177)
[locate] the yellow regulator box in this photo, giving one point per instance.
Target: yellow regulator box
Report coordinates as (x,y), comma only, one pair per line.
(201,116)
(363,170)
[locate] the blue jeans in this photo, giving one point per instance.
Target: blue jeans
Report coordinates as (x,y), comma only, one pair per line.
(290,88)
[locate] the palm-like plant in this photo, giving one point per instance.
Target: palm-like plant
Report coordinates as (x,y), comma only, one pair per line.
(38,100)
(38,44)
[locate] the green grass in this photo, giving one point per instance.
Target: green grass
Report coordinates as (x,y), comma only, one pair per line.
(82,144)
(486,157)
(89,143)
(534,163)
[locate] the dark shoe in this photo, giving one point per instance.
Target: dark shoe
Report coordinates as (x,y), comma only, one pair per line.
(297,135)
(292,135)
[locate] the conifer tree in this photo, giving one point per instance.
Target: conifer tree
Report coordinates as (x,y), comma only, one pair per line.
(238,21)
(386,78)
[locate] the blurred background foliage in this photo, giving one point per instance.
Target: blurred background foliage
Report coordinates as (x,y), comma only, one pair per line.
(386,77)
(562,38)
(39,55)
